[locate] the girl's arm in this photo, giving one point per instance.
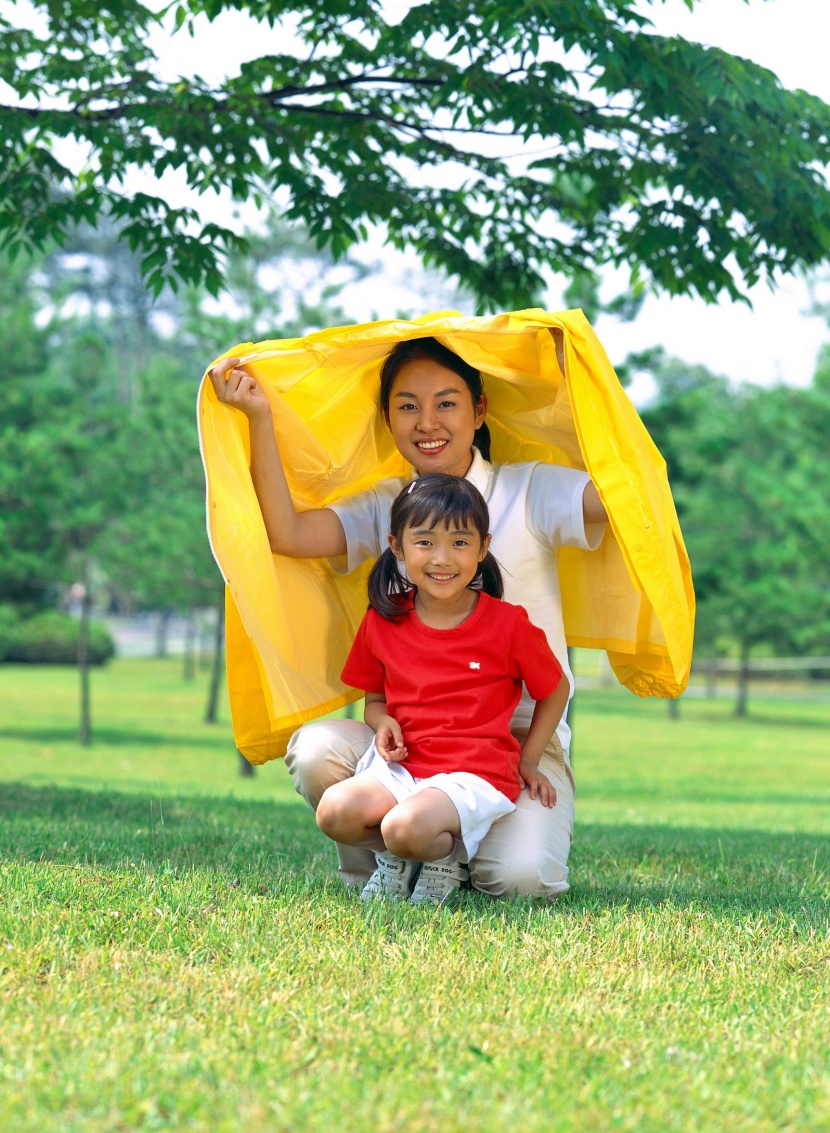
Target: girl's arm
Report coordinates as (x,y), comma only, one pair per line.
(388,734)
(546,716)
(308,534)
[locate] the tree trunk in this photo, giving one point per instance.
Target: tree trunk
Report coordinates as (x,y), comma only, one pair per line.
(85,728)
(189,671)
(162,626)
(205,651)
(212,713)
(743,683)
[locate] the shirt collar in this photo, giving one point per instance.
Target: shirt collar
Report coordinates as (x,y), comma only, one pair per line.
(479,472)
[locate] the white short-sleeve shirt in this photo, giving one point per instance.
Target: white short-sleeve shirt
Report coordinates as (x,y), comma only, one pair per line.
(534,508)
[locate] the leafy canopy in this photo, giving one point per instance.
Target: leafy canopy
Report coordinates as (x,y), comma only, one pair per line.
(693,167)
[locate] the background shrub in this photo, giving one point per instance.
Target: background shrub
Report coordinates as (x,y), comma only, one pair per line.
(51,638)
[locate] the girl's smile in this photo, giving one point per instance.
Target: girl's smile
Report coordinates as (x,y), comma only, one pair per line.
(432,418)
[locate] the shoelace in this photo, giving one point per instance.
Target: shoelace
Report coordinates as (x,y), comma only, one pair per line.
(435,877)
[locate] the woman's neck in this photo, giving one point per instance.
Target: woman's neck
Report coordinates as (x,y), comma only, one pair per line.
(460,470)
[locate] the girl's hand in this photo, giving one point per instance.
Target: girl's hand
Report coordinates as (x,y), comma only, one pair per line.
(238,389)
(389,740)
(537,783)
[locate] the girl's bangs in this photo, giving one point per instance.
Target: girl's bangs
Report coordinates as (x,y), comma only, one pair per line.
(438,498)
(429,515)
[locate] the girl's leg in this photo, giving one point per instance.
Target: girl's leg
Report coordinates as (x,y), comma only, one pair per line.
(351,812)
(423,827)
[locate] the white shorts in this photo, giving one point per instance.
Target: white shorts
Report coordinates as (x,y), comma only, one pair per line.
(478,802)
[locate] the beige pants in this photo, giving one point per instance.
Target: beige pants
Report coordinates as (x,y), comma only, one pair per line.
(525,853)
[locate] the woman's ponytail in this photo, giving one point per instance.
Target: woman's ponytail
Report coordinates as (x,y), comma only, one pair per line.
(387,587)
(481,440)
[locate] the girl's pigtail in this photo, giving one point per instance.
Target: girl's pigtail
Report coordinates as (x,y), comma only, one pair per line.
(488,578)
(387,587)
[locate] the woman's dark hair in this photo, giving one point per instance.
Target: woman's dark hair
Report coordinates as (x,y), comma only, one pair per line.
(431,350)
(433,498)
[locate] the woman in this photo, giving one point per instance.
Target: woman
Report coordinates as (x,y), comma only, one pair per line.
(435,407)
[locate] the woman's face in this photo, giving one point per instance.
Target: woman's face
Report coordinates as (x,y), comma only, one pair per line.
(432,418)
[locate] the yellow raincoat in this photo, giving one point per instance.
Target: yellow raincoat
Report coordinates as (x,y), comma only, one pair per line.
(290,622)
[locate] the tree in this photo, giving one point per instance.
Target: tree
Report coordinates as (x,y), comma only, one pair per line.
(748,469)
(693,167)
(31,550)
(76,454)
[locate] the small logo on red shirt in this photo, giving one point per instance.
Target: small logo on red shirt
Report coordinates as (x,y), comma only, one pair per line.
(475,664)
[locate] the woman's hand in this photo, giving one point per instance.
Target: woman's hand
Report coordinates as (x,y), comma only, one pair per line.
(236,387)
(537,783)
(389,740)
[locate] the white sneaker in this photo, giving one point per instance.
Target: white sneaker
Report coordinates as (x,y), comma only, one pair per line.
(439,881)
(392,878)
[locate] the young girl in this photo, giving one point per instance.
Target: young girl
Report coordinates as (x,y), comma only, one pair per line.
(442,662)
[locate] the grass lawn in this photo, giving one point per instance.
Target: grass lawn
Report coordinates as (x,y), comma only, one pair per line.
(176,953)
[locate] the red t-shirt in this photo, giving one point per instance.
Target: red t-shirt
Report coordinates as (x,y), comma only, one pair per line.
(454,691)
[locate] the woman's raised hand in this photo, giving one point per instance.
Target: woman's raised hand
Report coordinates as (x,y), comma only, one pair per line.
(235,387)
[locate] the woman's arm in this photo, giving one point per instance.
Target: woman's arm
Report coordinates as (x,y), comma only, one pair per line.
(388,734)
(308,534)
(593,509)
(546,716)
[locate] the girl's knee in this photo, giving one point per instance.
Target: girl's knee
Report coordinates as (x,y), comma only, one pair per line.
(337,816)
(329,816)
(400,832)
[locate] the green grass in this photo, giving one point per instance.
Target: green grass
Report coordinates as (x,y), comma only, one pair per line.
(175,952)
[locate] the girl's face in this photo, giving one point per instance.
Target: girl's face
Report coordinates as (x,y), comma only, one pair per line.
(432,418)
(440,561)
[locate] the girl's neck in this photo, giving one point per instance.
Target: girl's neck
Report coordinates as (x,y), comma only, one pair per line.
(445,615)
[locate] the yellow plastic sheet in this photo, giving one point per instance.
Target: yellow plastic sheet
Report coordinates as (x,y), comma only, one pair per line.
(553,396)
